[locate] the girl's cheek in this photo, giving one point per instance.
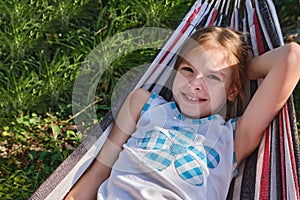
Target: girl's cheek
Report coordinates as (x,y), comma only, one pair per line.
(184,79)
(180,79)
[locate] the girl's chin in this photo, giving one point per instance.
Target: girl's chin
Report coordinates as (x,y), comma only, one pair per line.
(192,114)
(190,111)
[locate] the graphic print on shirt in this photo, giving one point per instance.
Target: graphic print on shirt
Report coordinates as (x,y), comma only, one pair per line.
(177,146)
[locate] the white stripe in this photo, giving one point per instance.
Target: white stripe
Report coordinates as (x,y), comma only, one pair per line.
(276,20)
(227,7)
(238,182)
(250,12)
(263,26)
(219,20)
(210,16)
(235,19)
(273,183)
(259,166)
(201,13)
(163,79)
(290,186)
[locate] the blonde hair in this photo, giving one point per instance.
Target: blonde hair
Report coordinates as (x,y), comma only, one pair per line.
(239,52)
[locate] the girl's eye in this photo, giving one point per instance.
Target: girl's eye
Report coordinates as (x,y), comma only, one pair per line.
(187,69)
(213,76)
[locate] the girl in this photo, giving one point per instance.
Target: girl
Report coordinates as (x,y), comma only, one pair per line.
(185,149)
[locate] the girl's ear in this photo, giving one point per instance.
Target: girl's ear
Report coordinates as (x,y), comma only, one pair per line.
(232,93)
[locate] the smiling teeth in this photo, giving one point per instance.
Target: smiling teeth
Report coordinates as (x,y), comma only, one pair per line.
(192,98)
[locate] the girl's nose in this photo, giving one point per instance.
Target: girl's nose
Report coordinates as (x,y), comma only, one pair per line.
(197,84)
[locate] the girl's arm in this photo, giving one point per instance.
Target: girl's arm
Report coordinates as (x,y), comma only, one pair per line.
(86,188)
(280,69)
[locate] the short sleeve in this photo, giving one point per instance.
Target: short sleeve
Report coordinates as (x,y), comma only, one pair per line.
(154,100)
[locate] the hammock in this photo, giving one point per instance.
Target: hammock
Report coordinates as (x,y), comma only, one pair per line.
(272,171)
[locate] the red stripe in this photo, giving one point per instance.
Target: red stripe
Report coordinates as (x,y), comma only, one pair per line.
(187,24)
(282,156)
(258,34)
(214,15)
(189,20)
(233,17)
(291,148)
(265,175)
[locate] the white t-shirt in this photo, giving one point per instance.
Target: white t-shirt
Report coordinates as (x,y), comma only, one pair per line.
(170,156)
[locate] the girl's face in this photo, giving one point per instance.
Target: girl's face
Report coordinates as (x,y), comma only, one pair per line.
(203,82)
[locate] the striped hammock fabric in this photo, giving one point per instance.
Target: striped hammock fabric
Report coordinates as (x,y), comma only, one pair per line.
(272,171)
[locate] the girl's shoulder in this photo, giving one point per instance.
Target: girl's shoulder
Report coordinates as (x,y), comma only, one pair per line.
(137,99)
(143,100)
(140,96)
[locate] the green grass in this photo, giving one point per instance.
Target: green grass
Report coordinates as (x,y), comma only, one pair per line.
(43,44)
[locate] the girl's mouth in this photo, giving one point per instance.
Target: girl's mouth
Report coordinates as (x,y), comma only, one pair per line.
(194,99)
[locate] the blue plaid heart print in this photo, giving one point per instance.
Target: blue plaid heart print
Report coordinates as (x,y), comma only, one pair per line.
(165,147)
